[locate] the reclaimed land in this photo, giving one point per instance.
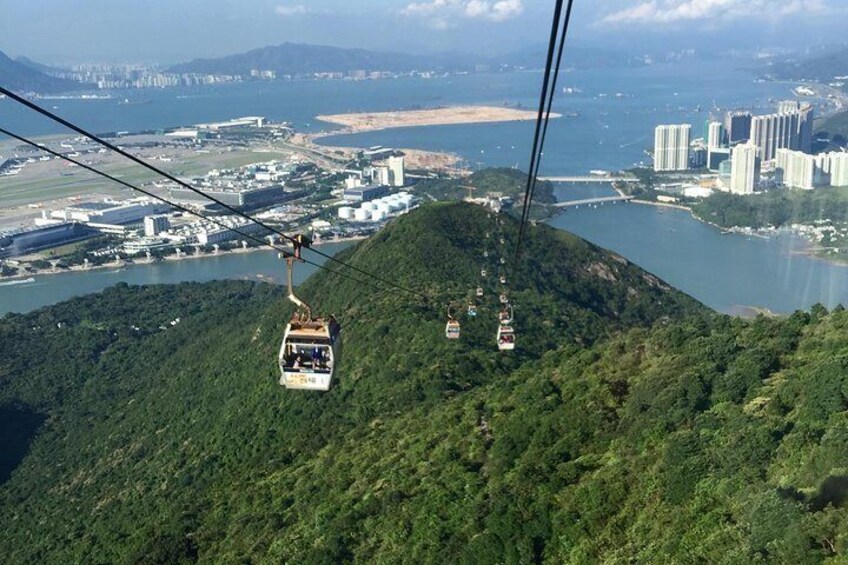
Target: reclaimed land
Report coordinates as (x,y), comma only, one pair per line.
(452,115)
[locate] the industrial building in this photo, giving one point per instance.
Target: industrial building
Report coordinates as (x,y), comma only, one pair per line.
(365,193)
(377,210)
(44,238)
(110,212)
(154,225)
(242,198)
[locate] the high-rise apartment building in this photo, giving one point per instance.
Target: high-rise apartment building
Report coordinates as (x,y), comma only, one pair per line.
(738,127)
(744,169)
(838,169)
(790,128)
(795,169)
(671,147)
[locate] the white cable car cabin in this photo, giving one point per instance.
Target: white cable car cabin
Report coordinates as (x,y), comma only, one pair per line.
(452,328)
(479,292)
(503,241)
(310,348)
(504,299)
(506,338)
(472,310)
(483,272)
(505,317)
(503,279)
(486,254)
(503,261)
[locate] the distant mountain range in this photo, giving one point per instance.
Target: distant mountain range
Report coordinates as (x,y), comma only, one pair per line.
(298,58)
(822,67)
(295,58)
(28,76)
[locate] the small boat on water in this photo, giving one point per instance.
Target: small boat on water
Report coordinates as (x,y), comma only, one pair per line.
(17,282)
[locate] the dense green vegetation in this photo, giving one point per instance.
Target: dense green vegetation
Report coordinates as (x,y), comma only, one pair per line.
(493,181)
(774,208)
(835,128)
(632,425)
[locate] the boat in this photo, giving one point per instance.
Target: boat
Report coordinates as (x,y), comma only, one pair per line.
(17,282)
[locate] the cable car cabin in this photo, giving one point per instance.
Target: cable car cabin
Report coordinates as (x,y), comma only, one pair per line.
(506,338)
(452,329)
(483,272)
(503,279)
(503,261)
(309,353)
(472,310)
(486,254)
(503,241)
(479,292)
(504,299)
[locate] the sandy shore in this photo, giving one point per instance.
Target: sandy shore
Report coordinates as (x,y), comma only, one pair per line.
(453,115)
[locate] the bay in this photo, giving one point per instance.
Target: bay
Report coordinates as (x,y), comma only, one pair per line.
(262,266)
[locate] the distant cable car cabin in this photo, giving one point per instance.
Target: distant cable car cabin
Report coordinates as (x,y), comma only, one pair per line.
(506,338)
(479,292)
(503,261)
(452,328)
(483,273)
(311,346)
(504,299)
(503,279)
(472,310)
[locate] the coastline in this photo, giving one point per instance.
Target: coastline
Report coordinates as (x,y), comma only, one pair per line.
(145,261)
(362,122)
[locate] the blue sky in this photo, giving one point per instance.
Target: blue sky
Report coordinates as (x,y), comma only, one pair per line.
(67,31)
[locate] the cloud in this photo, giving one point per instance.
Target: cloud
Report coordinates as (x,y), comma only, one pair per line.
(438,13)
(291,10)
(671,11)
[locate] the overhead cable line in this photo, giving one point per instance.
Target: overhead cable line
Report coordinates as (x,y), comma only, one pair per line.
(285,253)
(552,91)
(44,112)
(540,116)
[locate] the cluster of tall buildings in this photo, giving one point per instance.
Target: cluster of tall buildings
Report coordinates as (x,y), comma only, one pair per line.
(743,145)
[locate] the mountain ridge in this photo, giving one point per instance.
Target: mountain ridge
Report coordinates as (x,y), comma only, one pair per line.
(23,77)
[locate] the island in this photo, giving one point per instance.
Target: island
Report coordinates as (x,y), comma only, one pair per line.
(450,115)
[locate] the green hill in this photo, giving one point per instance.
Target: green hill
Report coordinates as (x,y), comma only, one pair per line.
(631,425)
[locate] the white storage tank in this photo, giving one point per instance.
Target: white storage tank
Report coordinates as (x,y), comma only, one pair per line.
(378,216)
(361,214)
(384,207)
(345,213)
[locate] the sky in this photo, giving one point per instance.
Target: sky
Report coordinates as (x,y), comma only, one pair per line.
(169,31)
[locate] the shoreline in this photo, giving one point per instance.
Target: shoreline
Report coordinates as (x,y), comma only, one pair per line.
(365,122)
(144,261)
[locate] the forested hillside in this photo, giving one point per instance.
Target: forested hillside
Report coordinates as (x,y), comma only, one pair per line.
(631,425)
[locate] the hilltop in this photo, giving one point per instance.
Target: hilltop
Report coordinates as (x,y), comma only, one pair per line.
(300,58)
(631,423)
(25,77)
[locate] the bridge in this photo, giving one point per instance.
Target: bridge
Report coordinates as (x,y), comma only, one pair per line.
(589,201)
(589,179)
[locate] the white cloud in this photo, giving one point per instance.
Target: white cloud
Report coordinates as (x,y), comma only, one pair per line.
(291,10)
(441,12)
(670,11)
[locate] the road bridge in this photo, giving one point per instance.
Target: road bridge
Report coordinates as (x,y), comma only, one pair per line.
(589,179)
(590,201)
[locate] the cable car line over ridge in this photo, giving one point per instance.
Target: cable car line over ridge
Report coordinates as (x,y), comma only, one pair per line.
(547,92)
